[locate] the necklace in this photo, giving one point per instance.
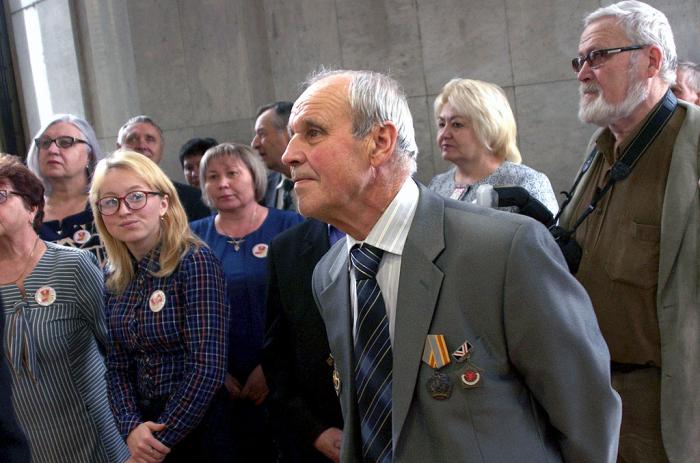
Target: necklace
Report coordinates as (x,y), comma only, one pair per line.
(29,261)
(238,241)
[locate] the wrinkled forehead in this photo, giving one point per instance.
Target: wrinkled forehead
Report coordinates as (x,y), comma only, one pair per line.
(602,33)
(326,97)
(142,128)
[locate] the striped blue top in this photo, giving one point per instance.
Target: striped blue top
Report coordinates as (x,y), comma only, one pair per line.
(58,373)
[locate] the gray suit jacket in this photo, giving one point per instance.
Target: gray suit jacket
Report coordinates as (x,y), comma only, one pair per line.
(677,294)
(498,281)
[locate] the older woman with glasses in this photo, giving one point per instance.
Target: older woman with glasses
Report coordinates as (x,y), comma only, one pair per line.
(476,132)
(166,316)
(63,155)
(52,299)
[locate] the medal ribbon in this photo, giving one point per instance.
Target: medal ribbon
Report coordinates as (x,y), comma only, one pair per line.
(435,352)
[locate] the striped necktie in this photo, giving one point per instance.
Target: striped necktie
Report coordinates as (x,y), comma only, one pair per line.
(373,357)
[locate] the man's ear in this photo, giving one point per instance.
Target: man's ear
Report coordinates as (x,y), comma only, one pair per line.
(384,137)
(655,59)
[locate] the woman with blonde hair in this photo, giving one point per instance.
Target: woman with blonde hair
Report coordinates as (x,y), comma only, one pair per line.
(476,132)
(166,317)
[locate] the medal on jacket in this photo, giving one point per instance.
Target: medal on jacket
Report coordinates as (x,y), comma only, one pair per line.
(471,377)
(336,381)
(435,354)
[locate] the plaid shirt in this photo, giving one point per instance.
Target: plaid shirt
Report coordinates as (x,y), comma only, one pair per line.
(178,351)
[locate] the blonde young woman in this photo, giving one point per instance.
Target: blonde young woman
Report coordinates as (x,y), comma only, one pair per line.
(476,132)
(166,317)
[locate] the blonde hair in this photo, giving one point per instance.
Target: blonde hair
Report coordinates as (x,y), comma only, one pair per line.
(175,235)
(486,106)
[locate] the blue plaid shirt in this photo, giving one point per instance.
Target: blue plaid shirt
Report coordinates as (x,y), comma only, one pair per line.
(178,352)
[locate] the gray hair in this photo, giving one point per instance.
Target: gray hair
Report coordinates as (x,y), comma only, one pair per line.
(243,153)
(693,74)
(95,153)
(375,98)
(142,119)
(643,25)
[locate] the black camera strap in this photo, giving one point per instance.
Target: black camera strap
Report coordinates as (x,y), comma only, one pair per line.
(624,165)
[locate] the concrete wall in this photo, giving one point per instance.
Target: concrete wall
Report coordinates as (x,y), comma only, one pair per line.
(202,68)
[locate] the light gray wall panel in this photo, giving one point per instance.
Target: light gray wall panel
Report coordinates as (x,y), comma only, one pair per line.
(464,39)
(383,35)
(552,139)
(156,35)
(544,37)
(302,35)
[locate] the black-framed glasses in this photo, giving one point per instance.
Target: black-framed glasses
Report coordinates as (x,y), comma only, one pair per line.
(596,58)
(5,193)
(134,200)
(61,142)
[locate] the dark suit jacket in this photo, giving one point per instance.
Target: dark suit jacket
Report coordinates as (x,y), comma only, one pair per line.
(191,199)
(13,445)
(499,281)
(296,355)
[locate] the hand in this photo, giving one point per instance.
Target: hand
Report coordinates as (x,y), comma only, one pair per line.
(233,386)
(145,448)
(328,443)
(255,387)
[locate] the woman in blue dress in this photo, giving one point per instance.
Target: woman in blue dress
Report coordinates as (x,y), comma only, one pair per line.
(233,180)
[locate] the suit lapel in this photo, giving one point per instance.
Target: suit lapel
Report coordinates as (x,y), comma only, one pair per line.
(419,287)
(334,298)
(681,188)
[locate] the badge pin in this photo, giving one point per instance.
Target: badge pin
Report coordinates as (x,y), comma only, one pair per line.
(439,386)
(336,381)
(471,378)
(329,360)
(260,250)
(436,355)
(157,301)
(81,236)
(45,296)
(463,352)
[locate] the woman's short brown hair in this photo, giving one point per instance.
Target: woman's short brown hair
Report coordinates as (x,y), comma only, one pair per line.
(25,183)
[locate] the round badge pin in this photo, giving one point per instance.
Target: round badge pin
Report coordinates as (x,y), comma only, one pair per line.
(81,236)
(470,378)
(45,296)
(260,250)
(157,301)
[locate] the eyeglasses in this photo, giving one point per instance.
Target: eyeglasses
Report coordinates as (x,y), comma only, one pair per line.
(61,142)
(5,193)
(596,58)
(134,200)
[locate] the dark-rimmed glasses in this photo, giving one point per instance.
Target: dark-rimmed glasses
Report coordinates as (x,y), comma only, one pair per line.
(61,142)
(5,193)
(134,200)
(596,58)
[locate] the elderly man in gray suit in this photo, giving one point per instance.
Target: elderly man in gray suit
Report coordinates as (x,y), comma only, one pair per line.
(457,333)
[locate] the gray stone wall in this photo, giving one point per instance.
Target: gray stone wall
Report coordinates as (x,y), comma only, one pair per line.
(201,68)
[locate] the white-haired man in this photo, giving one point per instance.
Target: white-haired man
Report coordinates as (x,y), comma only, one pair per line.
(434,362)
(635,213)
(687,86)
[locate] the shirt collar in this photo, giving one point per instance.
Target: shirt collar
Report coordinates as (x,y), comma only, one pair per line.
(148,263)
(391,230)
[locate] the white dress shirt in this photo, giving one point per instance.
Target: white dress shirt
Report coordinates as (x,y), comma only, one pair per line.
(389,234)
